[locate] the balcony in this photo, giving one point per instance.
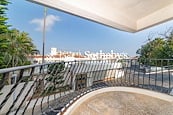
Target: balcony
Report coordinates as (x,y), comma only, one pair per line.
(59,88)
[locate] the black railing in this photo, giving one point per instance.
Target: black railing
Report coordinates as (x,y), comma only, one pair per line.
(51,88)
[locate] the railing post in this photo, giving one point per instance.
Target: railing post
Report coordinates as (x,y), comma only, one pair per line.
(139,61)
(162,72)
(134,72)
(149,72)
(169,74)
(156,75)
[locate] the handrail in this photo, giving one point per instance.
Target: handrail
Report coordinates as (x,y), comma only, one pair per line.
(6,70)
(54,86)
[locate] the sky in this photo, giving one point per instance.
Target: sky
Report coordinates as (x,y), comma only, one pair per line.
(70,33)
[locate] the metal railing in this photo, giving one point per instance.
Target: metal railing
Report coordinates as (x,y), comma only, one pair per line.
(51,88)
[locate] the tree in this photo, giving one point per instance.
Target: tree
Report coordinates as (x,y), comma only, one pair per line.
(16,46)
(159,48)
(3,49)
(3,18)
(3,29)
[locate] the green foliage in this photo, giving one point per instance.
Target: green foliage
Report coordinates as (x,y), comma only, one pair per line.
(55,78)
(0,82)
(15,46)
(3,48)
(3,18)
(159,48)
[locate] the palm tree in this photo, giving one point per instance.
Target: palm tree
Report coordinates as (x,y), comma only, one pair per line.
(3,48)
(3,18)
(19,46)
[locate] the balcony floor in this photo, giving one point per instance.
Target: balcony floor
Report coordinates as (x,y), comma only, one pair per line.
(124,103)
(121,104)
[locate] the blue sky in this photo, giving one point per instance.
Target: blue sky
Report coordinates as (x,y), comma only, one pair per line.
(71,33)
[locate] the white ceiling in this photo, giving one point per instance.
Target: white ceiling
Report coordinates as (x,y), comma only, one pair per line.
(126,15)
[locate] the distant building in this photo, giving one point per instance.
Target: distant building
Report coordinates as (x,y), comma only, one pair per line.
(53,51)
(56,56)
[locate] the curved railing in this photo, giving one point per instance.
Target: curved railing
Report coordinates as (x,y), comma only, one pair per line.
(51,88)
